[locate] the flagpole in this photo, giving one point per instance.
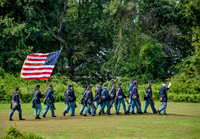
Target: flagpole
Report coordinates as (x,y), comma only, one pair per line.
(45,86)
(61,49)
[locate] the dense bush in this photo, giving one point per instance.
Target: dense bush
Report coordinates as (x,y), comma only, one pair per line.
(183,89)
(14,133)
(9,82)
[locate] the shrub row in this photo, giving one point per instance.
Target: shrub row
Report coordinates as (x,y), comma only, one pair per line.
(183,89)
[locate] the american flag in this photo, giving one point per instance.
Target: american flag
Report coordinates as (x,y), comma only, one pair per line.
(39,65)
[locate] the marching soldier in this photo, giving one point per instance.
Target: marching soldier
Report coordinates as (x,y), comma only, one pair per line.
(106,100)
(16,105)
(130,94)
(98,97)
(113,95)
(149,98)
(36,98)
(83,100)
(70,100)
(49,102)
(135,98)
(90,101)
(163,97)
(120,98)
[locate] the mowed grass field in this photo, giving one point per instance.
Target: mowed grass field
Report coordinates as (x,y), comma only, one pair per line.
(182,121)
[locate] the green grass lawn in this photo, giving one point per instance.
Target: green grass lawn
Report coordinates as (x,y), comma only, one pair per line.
(182,121)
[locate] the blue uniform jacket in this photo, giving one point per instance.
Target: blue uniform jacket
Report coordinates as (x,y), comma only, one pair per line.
(15,98)
(105,93)
(99,91)
(120,92)
(89,96)
(49,94)
(113,91)
(71,94)
(130,88)
(163,91)
(84,93)
(134,90)
(39,95)
(149,91)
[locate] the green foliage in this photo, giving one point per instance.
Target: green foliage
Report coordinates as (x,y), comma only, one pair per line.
(14,133)
(9,82)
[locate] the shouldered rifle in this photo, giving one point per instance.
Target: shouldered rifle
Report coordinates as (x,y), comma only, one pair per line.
(74,101)
(94,106)
(96,91)
(127,101)
(139,102)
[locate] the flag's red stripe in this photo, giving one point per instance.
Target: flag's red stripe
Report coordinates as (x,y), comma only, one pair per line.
(29,59)
(38,73)
(32,64)
(36,55)
(39,78)
(37,69)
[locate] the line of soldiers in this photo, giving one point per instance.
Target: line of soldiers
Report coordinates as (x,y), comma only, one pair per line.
(102,98)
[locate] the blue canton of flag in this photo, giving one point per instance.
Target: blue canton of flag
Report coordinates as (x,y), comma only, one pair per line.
(52,58)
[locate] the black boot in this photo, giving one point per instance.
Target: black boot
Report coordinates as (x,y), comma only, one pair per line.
(10,119)
(94,112)
(20,117)
(99,113)
(126,113)
(38,117)
(64,113)
(159,112)
(117,113)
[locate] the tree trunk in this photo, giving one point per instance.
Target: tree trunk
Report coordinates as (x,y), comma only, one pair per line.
(70,64)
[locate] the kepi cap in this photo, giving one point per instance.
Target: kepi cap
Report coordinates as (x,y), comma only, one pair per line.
(69,86)
(37,86)
(113,82)
(132,79)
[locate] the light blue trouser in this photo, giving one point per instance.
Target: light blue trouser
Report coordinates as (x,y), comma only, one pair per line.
(129,105)
(71,107)
(97,104)
(113,101)
(135,103)
(105,103)
(163,107)
(88,109)
(119,103)
(49,105)
(149,102)
(38,108)
(83,107)
(19,110)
